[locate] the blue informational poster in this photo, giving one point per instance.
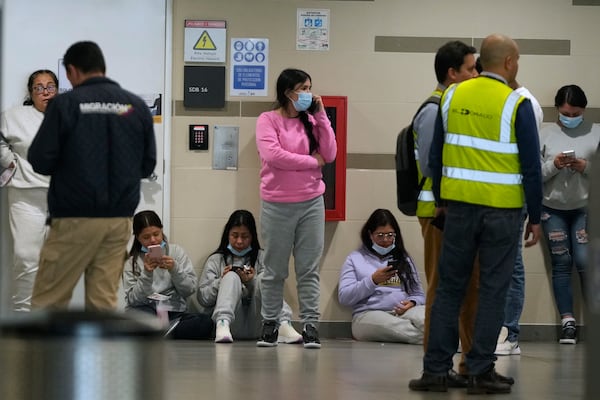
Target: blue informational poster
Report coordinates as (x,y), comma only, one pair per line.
(249,67)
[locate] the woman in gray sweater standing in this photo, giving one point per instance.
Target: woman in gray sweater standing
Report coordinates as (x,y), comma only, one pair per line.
(567,147)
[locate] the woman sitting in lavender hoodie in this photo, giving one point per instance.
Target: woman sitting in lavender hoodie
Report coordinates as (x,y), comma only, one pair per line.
(381,284)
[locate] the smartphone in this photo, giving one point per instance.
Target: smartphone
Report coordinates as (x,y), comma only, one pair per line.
(570,154)
(313,107)
(394,264)
(156,251)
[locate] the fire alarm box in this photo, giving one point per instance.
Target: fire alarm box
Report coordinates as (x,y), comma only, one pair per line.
(198,137)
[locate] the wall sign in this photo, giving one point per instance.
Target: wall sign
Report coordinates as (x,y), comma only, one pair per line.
(205,41)
(203,86)
(249,67)
(313,30)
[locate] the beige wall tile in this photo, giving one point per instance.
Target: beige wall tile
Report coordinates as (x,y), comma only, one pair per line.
(539,306)
(198,236)
(204,193)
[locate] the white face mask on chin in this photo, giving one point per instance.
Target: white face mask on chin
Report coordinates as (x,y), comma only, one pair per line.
(383,250)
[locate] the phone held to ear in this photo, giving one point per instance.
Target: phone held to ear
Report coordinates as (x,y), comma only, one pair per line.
(156,251)
(313,107)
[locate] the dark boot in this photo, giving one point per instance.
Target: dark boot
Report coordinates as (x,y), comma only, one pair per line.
(505,379)
(487,382)
(429,383)
(456,380)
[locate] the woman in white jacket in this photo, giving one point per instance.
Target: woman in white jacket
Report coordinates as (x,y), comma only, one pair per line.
(230,284)
(27,190)
(164,282)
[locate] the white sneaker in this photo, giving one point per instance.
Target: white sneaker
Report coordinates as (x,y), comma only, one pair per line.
(503,336)
(287,334)
(223,334)
(508,348)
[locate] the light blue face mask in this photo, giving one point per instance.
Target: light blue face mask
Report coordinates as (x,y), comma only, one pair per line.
(303,102)
(383,250)
(163,244)
(570,122)
(239,253)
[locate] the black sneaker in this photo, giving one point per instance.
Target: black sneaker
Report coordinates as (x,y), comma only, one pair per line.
(269,335)
(569,333)
(310,335)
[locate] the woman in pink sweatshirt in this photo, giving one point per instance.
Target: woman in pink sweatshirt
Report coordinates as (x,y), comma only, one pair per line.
(294,142)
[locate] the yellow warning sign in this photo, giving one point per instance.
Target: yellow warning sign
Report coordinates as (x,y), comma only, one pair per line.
(205,42)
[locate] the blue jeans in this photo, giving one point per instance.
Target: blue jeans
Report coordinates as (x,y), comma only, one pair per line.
(470,230)
(515,297)
(566,235)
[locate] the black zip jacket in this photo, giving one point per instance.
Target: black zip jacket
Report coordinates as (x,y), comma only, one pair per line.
(97,143)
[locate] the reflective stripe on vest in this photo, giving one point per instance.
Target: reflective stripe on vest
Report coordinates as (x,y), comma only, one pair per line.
(426,195)
(481,144)
(482,176)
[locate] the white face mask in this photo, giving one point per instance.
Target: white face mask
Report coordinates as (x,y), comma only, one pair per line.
(304,101)
(241,253)
(163,244)
(570,122)
(383,250)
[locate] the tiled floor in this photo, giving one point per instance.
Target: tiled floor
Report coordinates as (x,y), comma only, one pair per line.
(348,370)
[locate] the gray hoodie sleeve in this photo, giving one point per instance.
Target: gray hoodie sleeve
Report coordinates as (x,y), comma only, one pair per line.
(424,126)
(208,285)
(137,288)
(182,275)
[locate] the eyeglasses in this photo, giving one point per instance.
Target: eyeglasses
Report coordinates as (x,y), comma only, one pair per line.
(39,89)
(236,236)
(388,235)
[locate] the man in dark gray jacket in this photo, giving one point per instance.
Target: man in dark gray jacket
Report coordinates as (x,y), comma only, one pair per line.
(97,143)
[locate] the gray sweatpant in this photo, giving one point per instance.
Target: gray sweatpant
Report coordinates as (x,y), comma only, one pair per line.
(243,314)
(381,326)
(298,229)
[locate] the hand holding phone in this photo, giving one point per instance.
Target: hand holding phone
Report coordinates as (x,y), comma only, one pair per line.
(394,264)
(155,252)
(316,104)
(569,155)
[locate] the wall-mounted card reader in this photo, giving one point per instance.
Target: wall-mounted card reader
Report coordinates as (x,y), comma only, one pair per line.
(198,137)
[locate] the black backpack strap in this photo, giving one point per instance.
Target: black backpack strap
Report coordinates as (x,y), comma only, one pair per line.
(432,99)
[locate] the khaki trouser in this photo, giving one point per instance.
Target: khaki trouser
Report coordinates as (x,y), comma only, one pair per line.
(96,247)
(432,238)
